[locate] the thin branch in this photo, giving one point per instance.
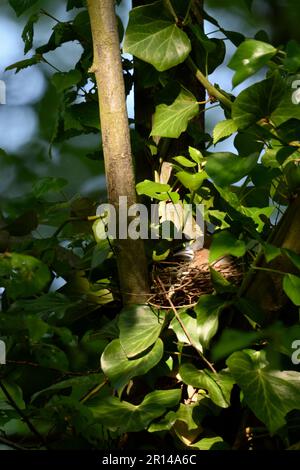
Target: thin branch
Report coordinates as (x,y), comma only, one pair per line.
(184,328)
(11,444)
(26,420)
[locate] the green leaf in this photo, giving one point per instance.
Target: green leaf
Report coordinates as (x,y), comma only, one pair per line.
(78,386)
(251,104)
(210,443)
(287,109)
(224,129)
(220,283)
(48,184)
(191,181)
(231,341)
(23,275)
(224,243)
(208,310)
(49,355)
(64,80)
(28,32)
(293,257)
(292,60)
(190,324)
(159,191)
(196,155)
(127,417)
(20,6)
(218,385)
(119,369)
(153,36)
(249,57)
(50,307)
(291,286)
(271,252)
(226,168)
(23,64)
(139,326)
(270,394)
(183,161)
(171,121)
(16,394)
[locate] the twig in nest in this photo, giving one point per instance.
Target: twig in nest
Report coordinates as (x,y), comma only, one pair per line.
(184,328)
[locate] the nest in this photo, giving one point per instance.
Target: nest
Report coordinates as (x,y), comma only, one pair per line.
(181,283)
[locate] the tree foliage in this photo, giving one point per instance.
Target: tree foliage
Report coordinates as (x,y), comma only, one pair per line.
(84,372)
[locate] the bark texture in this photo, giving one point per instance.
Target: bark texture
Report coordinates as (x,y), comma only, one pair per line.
(107,67)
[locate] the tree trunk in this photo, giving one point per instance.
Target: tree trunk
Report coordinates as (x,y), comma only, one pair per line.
(107,66)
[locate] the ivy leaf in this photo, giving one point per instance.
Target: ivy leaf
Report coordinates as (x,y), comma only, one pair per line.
(208,310)
(20,6)
(231,341)
(270,394)
(171,121)
(291,286)
(127,417)
(23,275)
(251,104)
(64,80)
(28,31)
(49,355)
(183,161)
(294,257)
(226,168)
(224,243)
(154,37)
(224,129)
(119,369)
(154,190)
(48,184)
(191,181)
(139,326)
(23,64)
(78,386)
(218,385)
(250,56)
(190,324)
(211,443)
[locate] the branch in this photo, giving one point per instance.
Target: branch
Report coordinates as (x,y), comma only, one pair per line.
(212,91)
(26,420)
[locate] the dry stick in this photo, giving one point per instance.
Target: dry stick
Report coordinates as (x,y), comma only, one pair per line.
(26,420)
(184,328)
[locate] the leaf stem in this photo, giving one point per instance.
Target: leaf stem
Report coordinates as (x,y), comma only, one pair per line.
(171,10)
(187,13)
(212,91)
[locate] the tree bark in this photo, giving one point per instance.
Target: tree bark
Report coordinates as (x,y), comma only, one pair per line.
(107,67)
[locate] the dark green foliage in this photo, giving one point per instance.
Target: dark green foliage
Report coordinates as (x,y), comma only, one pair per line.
(86,372)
